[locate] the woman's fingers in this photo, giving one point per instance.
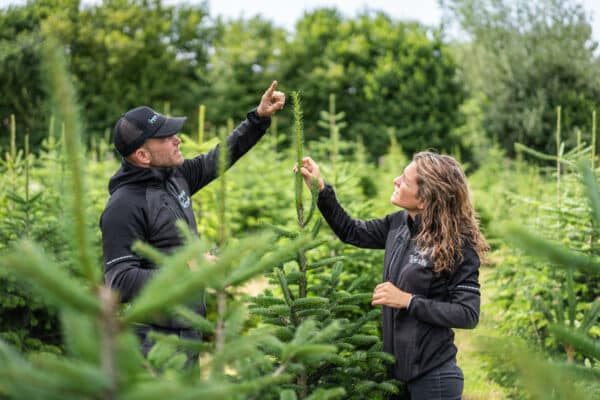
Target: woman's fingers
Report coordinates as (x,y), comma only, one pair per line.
(379,299)
(309,163)
(304,171)
(381,294)
(310,171)
(306,174)
(383,285)
(378,296)
(388,294)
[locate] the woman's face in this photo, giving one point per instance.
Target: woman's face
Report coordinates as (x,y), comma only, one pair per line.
(406,191)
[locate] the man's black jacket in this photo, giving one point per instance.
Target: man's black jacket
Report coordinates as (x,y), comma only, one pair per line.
(421,337)
(146,202)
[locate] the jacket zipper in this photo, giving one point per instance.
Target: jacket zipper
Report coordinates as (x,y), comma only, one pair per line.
(395,257)
(175,213)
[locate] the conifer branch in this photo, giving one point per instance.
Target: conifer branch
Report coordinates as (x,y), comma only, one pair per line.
(109,329)
(335,137)
(181,343)
(281,231)
(542,156)
(325,262)
(314,191)
(201,113)
(559,151)
(63,96)
(221,294)
(27,199)
(220,328)
(30,263)
(299,143)
(13,135)
(592,191)
(302,283)
(576,339)
(553,251)
(194,319)
(593,139)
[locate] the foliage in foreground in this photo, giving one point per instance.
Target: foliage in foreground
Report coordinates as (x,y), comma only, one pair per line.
(101,354)
(551,303)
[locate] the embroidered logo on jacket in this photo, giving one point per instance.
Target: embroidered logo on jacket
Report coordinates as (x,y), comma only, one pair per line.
(417,259)
(184,199)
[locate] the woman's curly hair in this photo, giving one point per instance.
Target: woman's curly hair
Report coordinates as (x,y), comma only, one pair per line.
(448,221)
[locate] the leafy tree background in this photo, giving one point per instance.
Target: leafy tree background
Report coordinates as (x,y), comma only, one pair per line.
(384,73)
(525,59)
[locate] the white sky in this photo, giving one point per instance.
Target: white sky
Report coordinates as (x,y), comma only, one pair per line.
(285,13)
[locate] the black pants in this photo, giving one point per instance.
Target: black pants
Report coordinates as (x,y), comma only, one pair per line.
(442,383)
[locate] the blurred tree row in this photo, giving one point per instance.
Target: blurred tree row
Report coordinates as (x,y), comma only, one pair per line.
(522,59)
(515,62)
(385,73)
(122,53)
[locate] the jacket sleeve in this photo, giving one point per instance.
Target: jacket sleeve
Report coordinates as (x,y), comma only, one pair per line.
(123,270)
(370,234)
(461,310)
(202,170)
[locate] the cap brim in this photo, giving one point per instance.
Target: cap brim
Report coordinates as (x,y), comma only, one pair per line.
(170,127)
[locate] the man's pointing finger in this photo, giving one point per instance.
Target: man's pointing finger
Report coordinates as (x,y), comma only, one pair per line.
(271,88)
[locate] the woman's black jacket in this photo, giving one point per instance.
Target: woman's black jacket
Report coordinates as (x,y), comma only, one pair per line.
(421,337)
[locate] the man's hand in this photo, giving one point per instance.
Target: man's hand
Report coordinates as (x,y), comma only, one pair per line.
(208,256)
(386,294)
(271,101)
(310,170)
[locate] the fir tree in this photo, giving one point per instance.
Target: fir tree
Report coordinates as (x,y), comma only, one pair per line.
(102,357)
(569,318)
(314,305)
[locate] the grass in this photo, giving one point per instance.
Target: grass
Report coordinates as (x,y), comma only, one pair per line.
(477,384)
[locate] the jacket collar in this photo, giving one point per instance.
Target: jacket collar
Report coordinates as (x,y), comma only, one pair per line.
(414,225)
(130,174)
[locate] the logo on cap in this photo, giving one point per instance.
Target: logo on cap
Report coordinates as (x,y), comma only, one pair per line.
(153,119)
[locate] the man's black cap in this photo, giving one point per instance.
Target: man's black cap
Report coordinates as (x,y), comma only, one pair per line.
(141,123)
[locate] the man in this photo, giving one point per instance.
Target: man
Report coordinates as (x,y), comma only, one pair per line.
(152,190)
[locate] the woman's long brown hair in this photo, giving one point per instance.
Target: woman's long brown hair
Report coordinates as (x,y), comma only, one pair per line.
(448,221)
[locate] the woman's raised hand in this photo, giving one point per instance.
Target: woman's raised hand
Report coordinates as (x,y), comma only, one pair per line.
(310,170)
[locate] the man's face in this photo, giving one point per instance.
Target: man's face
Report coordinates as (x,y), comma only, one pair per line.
(164,152)
(406,191)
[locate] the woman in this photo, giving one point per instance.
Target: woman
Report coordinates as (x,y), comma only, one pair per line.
(431,266)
